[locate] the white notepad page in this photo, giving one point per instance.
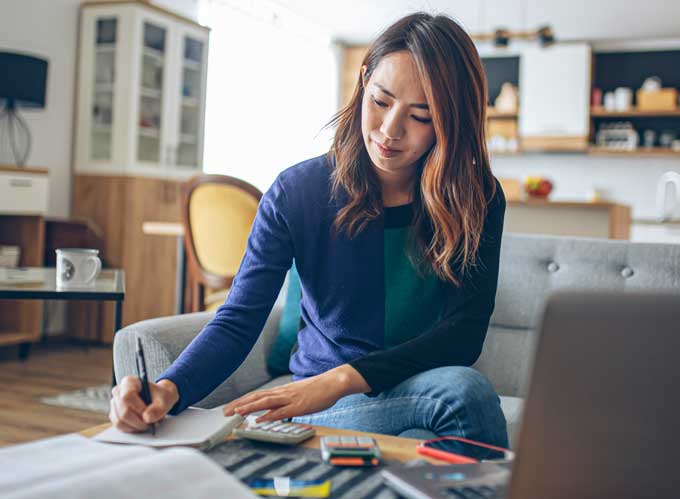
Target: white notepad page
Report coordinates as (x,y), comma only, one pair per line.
(192,427)
(72,467)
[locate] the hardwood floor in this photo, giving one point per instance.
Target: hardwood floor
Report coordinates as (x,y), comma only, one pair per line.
(51,369)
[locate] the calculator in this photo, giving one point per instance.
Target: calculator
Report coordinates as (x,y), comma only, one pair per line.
(276,432)
(350,451)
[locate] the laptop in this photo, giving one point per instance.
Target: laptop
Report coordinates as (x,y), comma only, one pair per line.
(602,418)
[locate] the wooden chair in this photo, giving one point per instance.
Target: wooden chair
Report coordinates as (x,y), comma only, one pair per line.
(217,213)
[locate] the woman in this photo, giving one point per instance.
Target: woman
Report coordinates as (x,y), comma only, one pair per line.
(396,237)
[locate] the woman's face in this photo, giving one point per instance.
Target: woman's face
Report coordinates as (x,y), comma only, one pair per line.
(395,118)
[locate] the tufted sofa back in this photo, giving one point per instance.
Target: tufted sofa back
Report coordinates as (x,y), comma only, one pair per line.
(532,267)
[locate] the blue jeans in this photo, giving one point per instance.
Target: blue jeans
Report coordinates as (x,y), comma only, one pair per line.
(447,401)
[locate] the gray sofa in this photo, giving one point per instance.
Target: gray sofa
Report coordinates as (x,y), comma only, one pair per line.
(531,267)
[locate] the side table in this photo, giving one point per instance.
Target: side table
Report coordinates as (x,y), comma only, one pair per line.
(109,286)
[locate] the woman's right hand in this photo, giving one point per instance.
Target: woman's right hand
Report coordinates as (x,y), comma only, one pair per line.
(129,413)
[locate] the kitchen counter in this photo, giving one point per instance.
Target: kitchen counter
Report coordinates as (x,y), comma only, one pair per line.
(655,231)
(600,219)
(650,221)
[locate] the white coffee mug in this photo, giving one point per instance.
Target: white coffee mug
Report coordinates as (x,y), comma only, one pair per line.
(77,267)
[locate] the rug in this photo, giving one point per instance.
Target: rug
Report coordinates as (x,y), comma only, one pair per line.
(93,398)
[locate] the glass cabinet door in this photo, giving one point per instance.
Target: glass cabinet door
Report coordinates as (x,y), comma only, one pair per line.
(104,77)
(151,93)
(191,98)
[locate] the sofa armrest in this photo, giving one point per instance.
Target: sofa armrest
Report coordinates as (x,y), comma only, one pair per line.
(165,338)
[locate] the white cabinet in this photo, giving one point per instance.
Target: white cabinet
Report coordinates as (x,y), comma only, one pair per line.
(23,191)
(141,92)
(554,87)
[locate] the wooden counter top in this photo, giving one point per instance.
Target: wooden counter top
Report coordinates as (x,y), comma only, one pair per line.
(568,218)
(17,169)
(543,203)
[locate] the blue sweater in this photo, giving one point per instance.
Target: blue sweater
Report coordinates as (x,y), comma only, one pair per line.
(343,295)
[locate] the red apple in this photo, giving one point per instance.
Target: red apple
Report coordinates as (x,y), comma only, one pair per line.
(544,187)
(538,186)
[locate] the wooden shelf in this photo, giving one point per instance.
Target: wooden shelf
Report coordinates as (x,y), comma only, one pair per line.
(151,93)
(103,88)
(100,128)
(152,53)
(190,101)
(21,320)
(187,138)
(599,112)
(23,169)
(192,65)
(13,337)
(491,113)
(152,133)
(106,47)
(640,151)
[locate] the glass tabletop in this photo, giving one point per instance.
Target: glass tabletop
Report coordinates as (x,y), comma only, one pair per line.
(41,283)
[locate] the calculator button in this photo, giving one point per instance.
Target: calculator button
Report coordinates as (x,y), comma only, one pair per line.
(287,428)
(299,430)
(277,426)
(268,426)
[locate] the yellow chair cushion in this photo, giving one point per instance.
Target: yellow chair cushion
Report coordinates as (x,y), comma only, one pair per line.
(220,217)
(214,298)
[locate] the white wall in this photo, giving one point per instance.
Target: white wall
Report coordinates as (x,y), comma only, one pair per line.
(188,8)
(358,21)
(632,181)
(266,104)
(48,28)
(628,180)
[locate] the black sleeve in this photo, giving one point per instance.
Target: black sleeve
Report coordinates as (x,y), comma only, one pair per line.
(458,338)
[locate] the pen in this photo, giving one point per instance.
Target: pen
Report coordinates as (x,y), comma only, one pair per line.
(143,376)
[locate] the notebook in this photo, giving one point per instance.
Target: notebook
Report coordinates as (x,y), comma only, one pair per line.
(72,466)
(193,427)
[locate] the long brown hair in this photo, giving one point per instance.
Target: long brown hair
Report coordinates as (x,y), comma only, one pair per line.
(455,182)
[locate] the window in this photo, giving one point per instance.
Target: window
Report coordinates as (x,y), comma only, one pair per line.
(272,85)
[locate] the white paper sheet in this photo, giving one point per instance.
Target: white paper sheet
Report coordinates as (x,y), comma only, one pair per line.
(73,466)
(192,427)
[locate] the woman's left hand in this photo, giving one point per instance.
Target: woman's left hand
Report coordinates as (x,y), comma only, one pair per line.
(300,397)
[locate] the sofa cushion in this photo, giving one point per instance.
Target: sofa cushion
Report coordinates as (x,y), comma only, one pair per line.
(533,267)
(512,409)
(506,359)
(279,355)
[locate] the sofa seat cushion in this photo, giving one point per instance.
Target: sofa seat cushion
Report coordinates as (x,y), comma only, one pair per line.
(512,409)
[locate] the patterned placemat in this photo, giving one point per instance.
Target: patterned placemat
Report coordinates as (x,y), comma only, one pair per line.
(247,460)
